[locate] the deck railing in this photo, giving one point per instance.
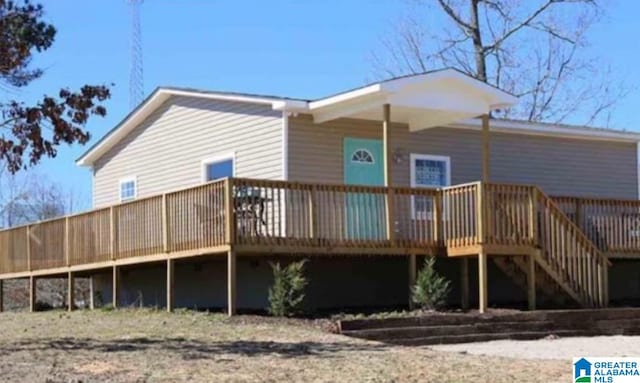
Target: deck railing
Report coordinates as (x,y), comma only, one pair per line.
(291,215)
(613,225)
(303,214)
(509,216)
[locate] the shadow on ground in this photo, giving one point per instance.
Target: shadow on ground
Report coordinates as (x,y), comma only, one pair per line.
(193,349)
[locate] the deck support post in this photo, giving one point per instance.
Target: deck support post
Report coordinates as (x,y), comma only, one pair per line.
(1,295)
(115,286)
(485,148)
(483,298)
(231,282)
(412,277)
(531,281)
(170,284)
(464,283)
(32,294)
(92,293)
(70,291)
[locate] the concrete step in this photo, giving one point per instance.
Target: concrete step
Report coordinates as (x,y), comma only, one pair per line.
(469,338)
(398,333)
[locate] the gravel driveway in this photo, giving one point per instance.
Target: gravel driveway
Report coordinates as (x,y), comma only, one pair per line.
(559,348)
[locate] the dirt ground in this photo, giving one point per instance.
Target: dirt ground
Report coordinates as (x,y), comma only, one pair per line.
(153,346)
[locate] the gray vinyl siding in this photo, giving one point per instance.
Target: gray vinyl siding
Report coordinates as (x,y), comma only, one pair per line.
(166,151)
(561,166)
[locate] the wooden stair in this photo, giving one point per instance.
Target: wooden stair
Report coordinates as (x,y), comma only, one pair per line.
(516,269)
(567,263)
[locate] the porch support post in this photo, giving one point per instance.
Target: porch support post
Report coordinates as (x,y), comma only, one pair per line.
(483,298)
(464,283)
(32,293)
(531,281)
(70,291)
(1,295)
(92,293)
(485,148)
(386,120)
(412,277)
(170,284)
(388,204)
(231,282)
(115,286)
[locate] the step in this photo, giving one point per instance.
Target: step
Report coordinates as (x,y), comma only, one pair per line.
(441,320)
(618,326)
(484,337)
(395,333)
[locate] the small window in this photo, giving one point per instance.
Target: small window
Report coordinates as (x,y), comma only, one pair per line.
(128,189)
(428,171)
(217,168)
(362,156)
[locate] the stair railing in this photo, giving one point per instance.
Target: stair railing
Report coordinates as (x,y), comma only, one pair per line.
(571,254)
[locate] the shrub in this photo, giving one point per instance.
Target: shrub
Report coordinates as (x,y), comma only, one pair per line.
(287,292)
(430,290)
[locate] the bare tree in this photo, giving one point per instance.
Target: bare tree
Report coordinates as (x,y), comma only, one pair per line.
(28,198)
(531,48)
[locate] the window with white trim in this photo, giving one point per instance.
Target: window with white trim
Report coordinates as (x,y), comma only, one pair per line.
(128,189)
(218,167)
(428,171)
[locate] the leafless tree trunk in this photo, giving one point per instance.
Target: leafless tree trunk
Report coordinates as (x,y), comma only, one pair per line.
(531,48)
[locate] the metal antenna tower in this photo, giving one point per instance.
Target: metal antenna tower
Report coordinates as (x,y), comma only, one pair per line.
(136,84)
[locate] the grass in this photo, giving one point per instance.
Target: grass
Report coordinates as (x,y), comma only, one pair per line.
(153,346)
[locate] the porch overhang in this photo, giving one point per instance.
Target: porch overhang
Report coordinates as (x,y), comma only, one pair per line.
(421,101)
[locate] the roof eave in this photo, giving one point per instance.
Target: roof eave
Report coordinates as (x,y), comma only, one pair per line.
(542,129)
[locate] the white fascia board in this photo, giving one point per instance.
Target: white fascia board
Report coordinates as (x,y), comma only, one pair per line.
(291,106)
(276,103)
(220,96)
(346,109)
(533,128)
(342,97)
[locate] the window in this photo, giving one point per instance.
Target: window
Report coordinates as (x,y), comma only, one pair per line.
(429,172)
(128,189)
(362,156)
(218,167)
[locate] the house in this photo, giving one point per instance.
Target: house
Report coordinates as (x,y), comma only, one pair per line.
(195,192)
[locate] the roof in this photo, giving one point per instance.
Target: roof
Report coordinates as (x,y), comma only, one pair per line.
(435,98)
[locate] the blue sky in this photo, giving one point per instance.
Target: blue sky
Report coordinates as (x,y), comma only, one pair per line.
(292,48)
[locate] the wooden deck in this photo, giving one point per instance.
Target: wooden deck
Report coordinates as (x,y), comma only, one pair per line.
(566,238)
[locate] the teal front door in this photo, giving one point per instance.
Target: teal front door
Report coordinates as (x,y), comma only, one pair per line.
(363,160)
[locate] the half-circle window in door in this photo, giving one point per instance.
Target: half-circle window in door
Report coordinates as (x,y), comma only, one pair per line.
(362,156)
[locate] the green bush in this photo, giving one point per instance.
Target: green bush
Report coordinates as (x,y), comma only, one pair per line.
(430,290)
(287,292)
